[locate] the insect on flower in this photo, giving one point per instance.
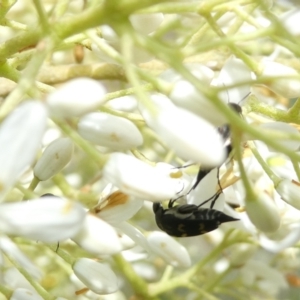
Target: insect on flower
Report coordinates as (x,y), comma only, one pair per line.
(185,220)
(188,219)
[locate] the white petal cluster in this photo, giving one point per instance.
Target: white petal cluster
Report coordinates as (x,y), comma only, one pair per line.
(76,98)
(20,137)
(109,131)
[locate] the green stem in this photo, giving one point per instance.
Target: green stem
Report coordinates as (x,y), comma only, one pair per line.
(264,165)
(63,254)
(6,291)
(42,16)
(296,168)
(216,281)
(40,290)
(33,184)
(253,65)
(84,145)
(27,80)
(236,142)
(294,111)
(138,284)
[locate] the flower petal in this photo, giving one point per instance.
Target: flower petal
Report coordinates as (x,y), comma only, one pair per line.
(109,131)
(97,237)
(263,212)
(98,277)
(75,98)
(20,137)
(171,251)
(136,178)
(289,88)
(49,219)
(119,208)
(55,157)
(189,136)
(24,294)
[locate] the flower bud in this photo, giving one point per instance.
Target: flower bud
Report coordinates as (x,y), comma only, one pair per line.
(240,253)
(54,159)
(126,103)
(98,277)
(97,237)
(25,294)
(109,131)
(20,137)
(283,128)
(233,72)
(171,251)
(290,21)
(185,95)
(189,136)
(263,212)
(289,88)
(49,219)
(289,191)
(75,98)
(146,23)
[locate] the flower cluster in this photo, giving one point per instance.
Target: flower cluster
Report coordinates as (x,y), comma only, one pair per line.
(121,160)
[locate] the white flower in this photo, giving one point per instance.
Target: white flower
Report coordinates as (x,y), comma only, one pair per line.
(136,178)
(98,277)
(109,131)
(20,137)
(48,219)
(171,251)
(189,136)
(76,98)
(146,23)
(289,88)
(55,157)
(97,237)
